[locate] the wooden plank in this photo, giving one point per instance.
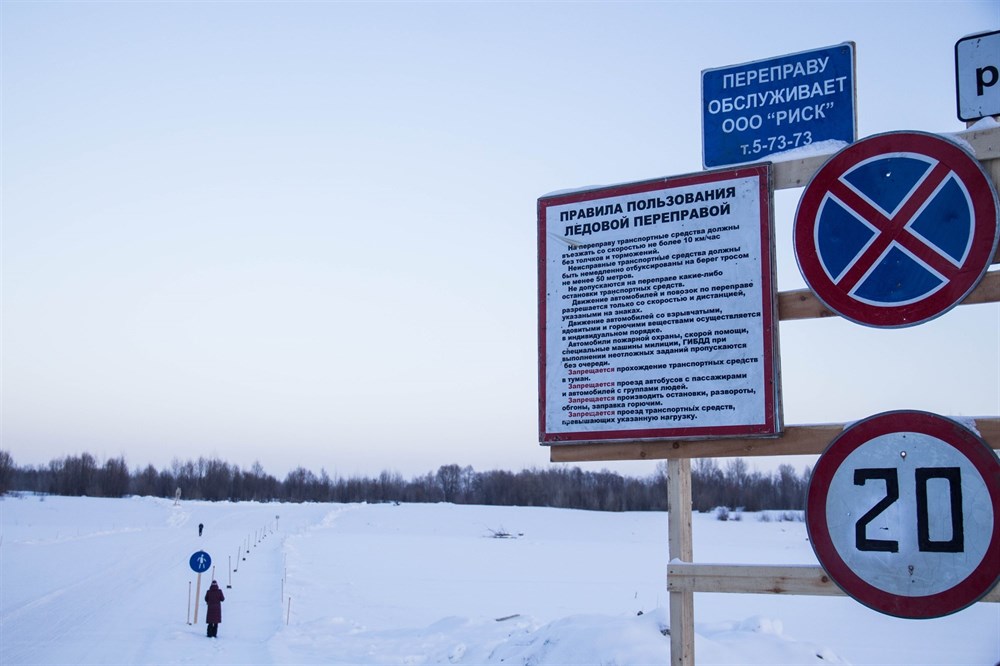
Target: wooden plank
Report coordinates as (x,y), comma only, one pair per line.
(796,173)
(803,303)
(795,440)
(984,143)
(761,579)
(751,579)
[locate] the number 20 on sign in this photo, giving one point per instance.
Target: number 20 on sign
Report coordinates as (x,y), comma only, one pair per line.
(903,513)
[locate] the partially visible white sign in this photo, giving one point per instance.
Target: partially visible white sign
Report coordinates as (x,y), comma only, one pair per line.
(977,75)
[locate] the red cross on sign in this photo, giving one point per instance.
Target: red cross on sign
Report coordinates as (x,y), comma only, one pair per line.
(896,229)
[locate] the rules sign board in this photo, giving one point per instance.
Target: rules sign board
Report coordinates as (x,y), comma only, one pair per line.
(756,109)
(903,513)
(896,229)
(657,310)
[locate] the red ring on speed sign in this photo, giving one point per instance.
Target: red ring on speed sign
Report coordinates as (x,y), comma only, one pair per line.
(860,521)
(896,229)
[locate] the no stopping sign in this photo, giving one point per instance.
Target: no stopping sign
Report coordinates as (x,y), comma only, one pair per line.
(903,513)
(896,229)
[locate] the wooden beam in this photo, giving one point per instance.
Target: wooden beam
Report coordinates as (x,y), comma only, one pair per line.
(750,579)
(803,303)
(984,143)
(795,440)
(761,579)
(681,547)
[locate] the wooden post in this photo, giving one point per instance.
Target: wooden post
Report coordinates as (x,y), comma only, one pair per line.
(680,548)
(197,598)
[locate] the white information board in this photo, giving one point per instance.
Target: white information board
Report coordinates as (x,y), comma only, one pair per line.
(657,310)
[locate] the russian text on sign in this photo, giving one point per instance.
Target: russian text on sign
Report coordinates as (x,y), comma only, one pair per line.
(616,261)
(753,110)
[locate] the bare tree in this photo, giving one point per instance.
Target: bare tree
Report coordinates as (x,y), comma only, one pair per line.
(6,470)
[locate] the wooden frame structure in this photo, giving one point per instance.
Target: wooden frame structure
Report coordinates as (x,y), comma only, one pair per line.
(684,576)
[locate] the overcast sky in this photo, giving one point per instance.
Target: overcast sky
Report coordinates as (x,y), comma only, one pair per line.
(305,233)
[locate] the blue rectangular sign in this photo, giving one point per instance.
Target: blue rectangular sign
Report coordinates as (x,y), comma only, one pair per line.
(757,109)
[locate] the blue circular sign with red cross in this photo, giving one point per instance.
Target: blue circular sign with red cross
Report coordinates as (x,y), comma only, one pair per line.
(896,229)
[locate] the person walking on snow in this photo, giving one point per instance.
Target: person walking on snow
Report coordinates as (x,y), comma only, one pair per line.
(213,617)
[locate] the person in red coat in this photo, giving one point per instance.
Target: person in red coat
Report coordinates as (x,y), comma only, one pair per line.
(213,617)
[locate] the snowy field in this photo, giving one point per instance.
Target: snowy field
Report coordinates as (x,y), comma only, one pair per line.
(105,581)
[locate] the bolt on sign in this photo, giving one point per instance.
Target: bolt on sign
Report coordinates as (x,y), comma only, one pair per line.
(756,109)
(656,307)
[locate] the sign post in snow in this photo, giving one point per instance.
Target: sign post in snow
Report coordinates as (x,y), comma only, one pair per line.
(657,316)
(903,513)
(757,109)
(200,561)
(977,75)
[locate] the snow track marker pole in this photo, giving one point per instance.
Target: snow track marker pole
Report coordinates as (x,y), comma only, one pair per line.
(288,616)
(230,585)
(188,617)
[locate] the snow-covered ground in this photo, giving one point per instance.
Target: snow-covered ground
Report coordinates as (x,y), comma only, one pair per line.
(99,581)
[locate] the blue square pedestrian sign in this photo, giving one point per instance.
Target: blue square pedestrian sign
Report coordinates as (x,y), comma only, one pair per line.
(757,109)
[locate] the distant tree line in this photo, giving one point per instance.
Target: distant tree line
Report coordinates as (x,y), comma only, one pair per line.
(734,486)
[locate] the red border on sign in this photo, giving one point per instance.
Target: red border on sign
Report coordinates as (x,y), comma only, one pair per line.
(965,278)
(768,308)
(982,457)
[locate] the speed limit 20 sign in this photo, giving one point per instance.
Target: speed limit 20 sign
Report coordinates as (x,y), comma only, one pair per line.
(903,513)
